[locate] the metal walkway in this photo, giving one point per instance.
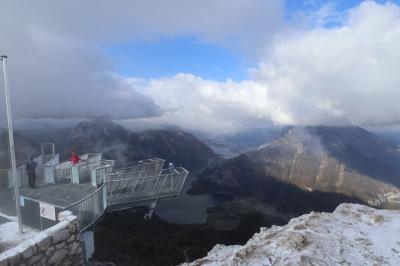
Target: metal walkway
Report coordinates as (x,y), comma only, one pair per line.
(94,186)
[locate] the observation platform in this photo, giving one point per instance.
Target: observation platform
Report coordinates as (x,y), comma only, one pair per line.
(62,195)
(90,188)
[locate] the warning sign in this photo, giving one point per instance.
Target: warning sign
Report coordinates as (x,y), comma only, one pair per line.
(47,211)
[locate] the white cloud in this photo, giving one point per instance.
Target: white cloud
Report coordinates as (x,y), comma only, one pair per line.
(313,75)
(344,74)
(209,106)
(335,76)
(57,68)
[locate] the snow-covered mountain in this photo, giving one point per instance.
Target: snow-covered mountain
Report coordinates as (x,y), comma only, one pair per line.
(352,235)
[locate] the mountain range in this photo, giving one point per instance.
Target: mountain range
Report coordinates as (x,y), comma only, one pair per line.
(117,142)
(347,161)
(316,167)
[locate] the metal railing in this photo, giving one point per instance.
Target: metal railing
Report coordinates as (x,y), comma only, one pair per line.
(90,208)
(62,172)
(134,187)
(85,170)
(22,177)
(30,214)
(47,157)
(148,167)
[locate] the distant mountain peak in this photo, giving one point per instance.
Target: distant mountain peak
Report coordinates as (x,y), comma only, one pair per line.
(101,128)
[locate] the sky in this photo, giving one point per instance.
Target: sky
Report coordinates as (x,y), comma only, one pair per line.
(211,66)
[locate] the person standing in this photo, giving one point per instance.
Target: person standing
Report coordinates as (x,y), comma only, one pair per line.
(30,170)
(171,167)
(75,158)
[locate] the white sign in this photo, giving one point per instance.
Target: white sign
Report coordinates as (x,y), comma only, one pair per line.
(47,211)
(22,201)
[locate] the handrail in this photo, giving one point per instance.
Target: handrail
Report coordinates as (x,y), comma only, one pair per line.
(139,188)
(139,177)
(175,171)
(90,208)
(85,198)
(137,163)
(151,166)
(39,201)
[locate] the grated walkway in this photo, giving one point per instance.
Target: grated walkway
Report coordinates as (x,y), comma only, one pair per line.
(62,195)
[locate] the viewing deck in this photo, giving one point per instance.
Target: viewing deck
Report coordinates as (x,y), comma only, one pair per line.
(62,195)
(91,188)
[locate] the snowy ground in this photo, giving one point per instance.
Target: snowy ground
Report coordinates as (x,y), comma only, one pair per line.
(351,235)
(9,233)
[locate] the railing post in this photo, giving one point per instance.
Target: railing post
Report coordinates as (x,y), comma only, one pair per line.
(49,175)
(154,187)
(185,173)
(93,177)
(75,174)
(105,195)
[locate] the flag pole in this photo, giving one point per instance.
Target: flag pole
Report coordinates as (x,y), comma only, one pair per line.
(11,142)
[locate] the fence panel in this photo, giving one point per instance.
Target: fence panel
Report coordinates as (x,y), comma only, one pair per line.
(30,214)
(90,208)
(131,187)
(62,172)
(149,167)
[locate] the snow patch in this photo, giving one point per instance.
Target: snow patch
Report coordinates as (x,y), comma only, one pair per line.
(10,235)
(353,234)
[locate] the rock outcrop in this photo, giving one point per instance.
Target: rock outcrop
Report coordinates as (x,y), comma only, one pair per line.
(352,235)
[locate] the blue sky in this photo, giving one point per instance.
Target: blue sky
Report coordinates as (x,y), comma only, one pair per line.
(187,54)
(216,41)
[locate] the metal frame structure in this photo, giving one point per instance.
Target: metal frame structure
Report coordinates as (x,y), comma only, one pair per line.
(90,208)
(43,148)
(124,186)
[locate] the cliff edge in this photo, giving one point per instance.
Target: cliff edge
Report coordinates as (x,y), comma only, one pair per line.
(352,235)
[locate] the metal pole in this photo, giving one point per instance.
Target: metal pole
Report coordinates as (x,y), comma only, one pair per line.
(11,141)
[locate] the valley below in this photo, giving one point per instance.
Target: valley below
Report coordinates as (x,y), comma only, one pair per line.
(186,228)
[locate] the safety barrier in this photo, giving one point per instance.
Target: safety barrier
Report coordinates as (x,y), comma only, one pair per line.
(62,172)
(33,213)
(134,187)
(148,167)
(90,208)
(117,185)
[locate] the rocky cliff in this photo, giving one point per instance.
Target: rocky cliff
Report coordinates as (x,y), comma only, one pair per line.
(352,235)
(344,160)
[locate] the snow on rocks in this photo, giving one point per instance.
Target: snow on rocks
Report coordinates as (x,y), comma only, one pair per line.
(10,235)
(9,232)
(352,235)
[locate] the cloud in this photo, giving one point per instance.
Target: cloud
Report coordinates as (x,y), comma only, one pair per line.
(56,65)
(54,76)
(347,74)
(308,73)
(209,106)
